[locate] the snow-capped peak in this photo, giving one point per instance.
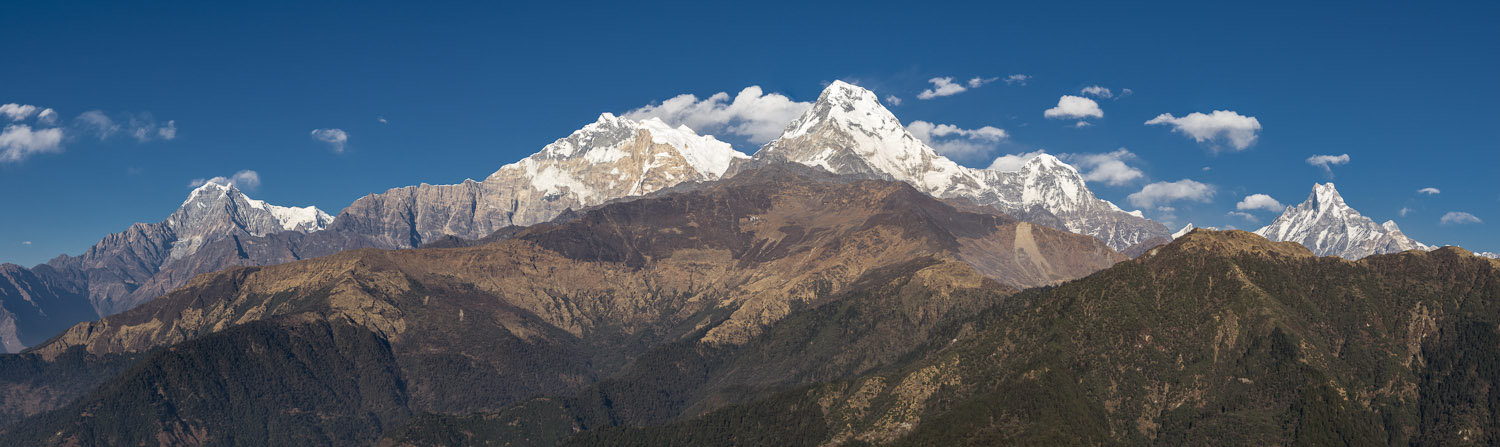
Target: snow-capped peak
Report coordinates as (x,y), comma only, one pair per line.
(848,131)
(706,154)
(1329,227)
(601,141)
(1328,197)
(212,196)
(1184,231)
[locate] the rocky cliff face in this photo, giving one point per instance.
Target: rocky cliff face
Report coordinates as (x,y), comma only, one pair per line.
(609,159)
(848,131)
(1329,227)
(130,267)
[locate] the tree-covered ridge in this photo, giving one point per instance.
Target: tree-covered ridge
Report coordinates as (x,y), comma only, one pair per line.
(1220,338)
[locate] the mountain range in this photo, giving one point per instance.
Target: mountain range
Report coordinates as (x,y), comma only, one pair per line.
(144,261)
(847,131)
(557,307)
(636,283)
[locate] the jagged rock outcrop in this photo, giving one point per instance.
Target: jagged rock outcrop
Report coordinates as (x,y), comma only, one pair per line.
(848,131)
(1329,227)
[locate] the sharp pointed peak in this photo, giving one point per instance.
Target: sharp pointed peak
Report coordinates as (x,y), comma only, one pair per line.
(849,95)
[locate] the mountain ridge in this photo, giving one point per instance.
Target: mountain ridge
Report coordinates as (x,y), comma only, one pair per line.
(848,131)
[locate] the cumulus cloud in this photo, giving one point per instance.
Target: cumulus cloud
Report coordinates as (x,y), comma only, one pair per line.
(245,179)
(1327,162)
(381,120)
(47,116)
(19,141)
(1013,162)
(1162,193)
(1083,124)
(1259,202)
(1247,216)
(1404,211)
(17,112)
(1109,167)
(753,114)
(1428,191)
(1017,79)
(893,100)
(953,141)
(25,242)
(1459,217)
(336,138)
(943,86)
(1070,107)
(1222,125)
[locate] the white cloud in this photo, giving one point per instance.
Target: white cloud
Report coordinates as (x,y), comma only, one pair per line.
(17,112)
(753,114)
(1404,211)
(1327,162)
(47,116)
(1238,130)
(1108,167)
(245,179)
(1097,91)
(336,138)
(953,141)
(1013,162)
(943,86)
(893,100)
(1083,124)
(25,242)
(1428,191)
(382,120)
(1069,107)
(100,123)
(143,127)
(1017,79)
(1259,202)
(1247,216)
(981,81)
(169,131)
(1459,217)
(19,141)
(1161,193)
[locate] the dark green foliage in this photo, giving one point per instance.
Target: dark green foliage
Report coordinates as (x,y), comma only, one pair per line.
(262,383)
(1460,404)
(883,318)
(31,384)
(1188,349)
(786,419)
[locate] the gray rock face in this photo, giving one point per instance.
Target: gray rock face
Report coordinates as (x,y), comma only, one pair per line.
(609,159)
(130,267)
(848,131)
(1329,227)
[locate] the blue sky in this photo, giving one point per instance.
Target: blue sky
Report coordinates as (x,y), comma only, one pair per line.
(1407,90)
